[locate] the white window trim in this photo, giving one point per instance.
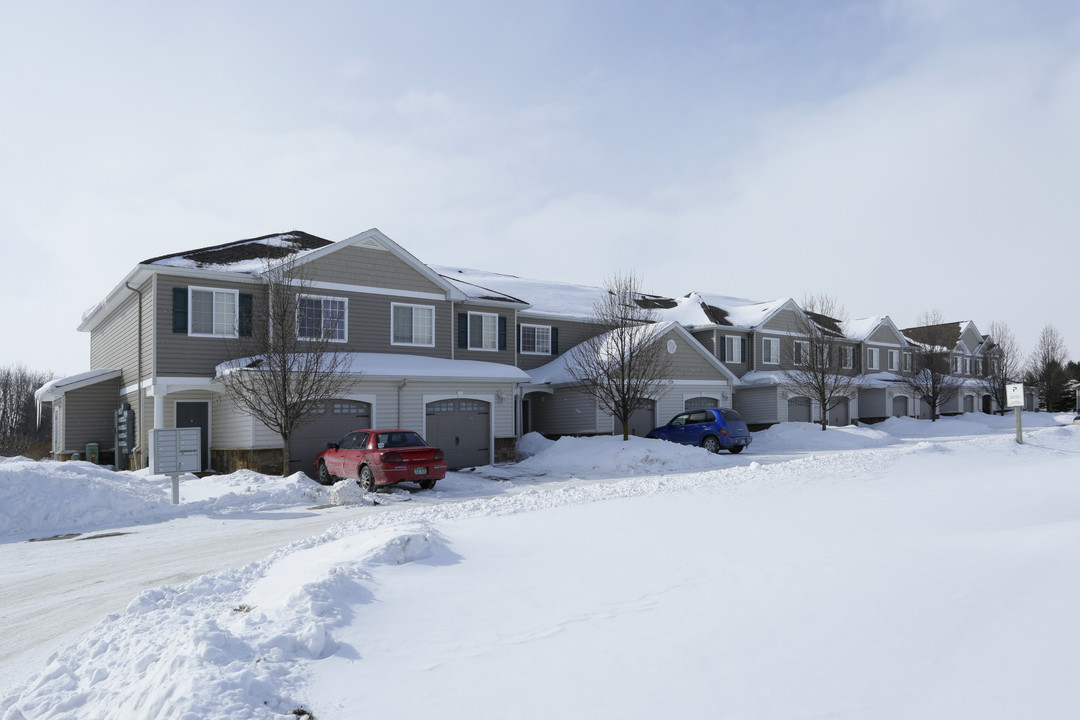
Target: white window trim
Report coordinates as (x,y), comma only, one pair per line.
(537,327)
(894,360)
(394,305)
(480,316)
(873,359)
(345,319)
(212,290)
(774,343)
(734,348)
(804,352)
(847,357)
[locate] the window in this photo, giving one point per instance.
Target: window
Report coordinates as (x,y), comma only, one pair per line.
(732,349)
(802,352)
(847,357)
(536,339)
(894,360)
(967,366)
(412,325)
(770,351)
(320,318)
(907,362)
(956,364)
(872,358)
(213,312)
(483,331)
(978,366)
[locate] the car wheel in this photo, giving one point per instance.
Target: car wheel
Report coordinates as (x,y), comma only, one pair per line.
(711,443)
(325,478)
(367,479)
(736,449)
(427,484)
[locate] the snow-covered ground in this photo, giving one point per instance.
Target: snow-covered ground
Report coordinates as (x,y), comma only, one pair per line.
(904,570)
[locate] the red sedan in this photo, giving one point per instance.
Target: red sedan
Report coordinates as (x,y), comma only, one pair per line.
(381,457)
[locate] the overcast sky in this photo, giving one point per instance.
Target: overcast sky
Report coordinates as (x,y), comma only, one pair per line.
(901,155)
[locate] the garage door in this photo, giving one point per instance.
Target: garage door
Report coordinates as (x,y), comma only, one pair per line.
(700,403)
(642,420)
(900,406)
(798,409)
(840,413)
(333,420)
(462,429)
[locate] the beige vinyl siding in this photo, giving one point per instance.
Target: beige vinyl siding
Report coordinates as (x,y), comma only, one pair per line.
(738,368)
(88,415)
(758,406)
(369,267)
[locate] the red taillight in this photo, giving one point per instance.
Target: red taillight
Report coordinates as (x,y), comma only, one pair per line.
(723,432)
(391,457)
(438,455)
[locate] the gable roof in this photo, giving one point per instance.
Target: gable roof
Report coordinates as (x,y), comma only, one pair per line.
(556,372)
(949,333)
(703,310)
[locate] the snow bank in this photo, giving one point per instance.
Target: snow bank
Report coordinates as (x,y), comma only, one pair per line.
(608,456)
(49,498)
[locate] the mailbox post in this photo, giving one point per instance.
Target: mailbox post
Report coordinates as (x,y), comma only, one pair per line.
(173,452)
(1014,398)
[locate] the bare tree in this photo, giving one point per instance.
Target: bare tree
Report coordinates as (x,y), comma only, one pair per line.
(813,364)
(286,363)
(1004,363)
(20,431)
(623,366)
(1046,367)
(929,375)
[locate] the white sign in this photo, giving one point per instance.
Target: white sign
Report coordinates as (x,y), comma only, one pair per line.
(1014,395)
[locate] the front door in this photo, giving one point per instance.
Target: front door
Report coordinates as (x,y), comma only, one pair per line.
(196,414)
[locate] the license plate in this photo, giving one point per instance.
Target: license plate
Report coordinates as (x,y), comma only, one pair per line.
(420,471)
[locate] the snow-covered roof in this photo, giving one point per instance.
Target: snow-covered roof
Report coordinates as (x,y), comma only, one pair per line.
(387,365)
(698,309)
(862,328)
(557,371)
(246,257)
(56,388)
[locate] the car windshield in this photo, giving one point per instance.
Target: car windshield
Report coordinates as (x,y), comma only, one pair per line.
(398,439)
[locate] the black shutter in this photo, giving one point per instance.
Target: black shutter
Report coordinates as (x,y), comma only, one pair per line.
(179,310)
(723,349)
(742,348)
(554,341)
(463,330)
(518,338)
(502,333)
(246,300)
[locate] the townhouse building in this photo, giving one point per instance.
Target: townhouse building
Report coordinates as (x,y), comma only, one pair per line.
(472,359)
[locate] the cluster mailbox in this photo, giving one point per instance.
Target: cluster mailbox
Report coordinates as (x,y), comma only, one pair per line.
(175,451)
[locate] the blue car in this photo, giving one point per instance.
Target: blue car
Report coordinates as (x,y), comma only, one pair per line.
(713,429)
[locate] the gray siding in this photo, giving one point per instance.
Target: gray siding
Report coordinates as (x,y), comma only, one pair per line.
(114,343)
(88,415)
(571,333)
(371,268)
(687,362)
(567,412)
(786,321)
(884,335)
(507,356)
(971,338)
(757,405)
(179,355)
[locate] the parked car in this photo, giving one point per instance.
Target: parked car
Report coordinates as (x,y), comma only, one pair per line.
(713,429)
(381,457)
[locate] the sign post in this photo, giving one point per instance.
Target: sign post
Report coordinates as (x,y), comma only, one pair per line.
(173,452)
(1014,396)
